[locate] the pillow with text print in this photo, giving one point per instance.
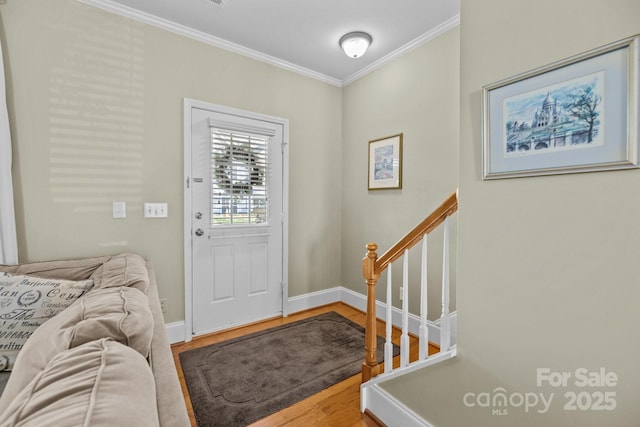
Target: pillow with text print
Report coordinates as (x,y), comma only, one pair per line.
(26,302)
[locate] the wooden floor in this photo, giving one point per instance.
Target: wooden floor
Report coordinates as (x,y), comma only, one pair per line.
(336,406)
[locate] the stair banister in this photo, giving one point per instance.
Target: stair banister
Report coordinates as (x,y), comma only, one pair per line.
(373,266)
(445,320)
(404,338)
(388,345)
(447,208)
(370,367)
(423,351)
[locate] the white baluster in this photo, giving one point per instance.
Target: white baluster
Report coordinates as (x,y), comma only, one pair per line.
(404,339)
(388,345)
(424,330)
(445,325)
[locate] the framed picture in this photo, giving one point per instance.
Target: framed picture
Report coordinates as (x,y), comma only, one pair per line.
(385,163)
(576,115)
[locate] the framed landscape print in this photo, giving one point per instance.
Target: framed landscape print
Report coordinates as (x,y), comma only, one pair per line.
(577,115)
(385,163)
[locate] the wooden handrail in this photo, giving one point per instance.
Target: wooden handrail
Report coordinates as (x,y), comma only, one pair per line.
(372,266)
(448,207)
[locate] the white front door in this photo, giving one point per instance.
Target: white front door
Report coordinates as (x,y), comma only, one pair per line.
(237,217)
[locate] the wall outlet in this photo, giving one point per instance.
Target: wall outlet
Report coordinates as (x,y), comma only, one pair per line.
(163,305)
(401,295)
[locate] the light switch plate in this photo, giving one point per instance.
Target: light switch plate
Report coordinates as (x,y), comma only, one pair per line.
(156,210)
(119,210)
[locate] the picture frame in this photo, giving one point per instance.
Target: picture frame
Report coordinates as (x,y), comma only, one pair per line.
(576,115)
(385,163)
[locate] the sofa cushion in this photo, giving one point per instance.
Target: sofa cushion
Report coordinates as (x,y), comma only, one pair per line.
(26,302)
(123,270)
(100,383)
(121,314)
(72,269)
(126,269)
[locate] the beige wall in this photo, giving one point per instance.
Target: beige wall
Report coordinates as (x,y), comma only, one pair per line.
(547,273)
(95,103)
(416,95)
(546,281)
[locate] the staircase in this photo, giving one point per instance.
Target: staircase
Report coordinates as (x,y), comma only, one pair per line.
(372,267)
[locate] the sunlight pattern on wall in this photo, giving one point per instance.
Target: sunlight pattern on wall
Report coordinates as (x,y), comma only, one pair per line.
(96,112)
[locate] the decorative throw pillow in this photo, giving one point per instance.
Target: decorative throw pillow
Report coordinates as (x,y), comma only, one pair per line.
(4,274)
(26,302)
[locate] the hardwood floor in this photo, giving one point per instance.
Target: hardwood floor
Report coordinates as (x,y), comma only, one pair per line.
(336,406)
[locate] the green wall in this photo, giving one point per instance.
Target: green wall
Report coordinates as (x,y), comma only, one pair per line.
(545,269)
(416,95)
(96,105)
(547,275)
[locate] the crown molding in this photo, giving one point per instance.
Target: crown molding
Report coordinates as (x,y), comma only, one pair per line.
(146,18)
(200,36)
(418,41)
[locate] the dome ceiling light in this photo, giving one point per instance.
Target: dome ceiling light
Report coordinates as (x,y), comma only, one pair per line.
(218,2)
(355,44)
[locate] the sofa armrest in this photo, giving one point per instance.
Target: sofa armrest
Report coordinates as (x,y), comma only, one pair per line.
(172,409)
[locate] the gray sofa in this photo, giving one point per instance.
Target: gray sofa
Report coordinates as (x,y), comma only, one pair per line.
(102,361)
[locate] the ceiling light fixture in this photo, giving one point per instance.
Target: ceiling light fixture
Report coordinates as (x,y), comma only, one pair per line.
(355,44)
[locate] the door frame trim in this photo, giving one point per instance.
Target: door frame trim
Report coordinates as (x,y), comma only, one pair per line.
(188,104)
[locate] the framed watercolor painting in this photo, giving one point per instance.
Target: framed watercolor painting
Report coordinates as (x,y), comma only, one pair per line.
(576,115)
(385,163)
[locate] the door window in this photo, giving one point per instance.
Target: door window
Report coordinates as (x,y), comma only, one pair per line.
(239,178)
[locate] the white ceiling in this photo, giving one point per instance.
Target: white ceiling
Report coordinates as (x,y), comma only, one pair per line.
(300,35)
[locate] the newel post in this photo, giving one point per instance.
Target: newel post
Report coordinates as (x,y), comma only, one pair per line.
(370,366)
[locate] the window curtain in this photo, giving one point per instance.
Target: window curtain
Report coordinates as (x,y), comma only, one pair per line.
(8,239)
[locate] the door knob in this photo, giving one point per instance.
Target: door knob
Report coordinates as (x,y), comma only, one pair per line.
(198,215)
(199,232)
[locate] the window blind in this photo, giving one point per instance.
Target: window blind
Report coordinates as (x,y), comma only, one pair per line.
(239,178)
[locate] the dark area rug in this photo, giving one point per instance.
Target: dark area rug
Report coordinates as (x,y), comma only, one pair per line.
(239,381)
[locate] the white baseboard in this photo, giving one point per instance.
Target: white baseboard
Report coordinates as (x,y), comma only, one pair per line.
(314,299)
(175,331)
(384,406)
(359,301)
(390,410)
